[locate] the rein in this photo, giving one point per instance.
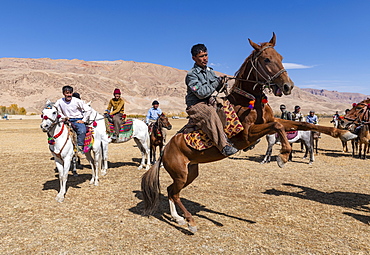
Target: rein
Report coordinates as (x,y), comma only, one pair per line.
(59,155)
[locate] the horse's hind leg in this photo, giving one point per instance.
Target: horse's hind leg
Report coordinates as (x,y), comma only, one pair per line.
(94,176)
(104,163)
(145,152)
(180,182)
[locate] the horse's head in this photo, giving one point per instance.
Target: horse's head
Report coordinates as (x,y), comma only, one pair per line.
(359,112)
(49,117)
(164,121)
(264,69)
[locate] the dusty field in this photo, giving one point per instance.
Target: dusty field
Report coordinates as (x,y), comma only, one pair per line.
(241,207)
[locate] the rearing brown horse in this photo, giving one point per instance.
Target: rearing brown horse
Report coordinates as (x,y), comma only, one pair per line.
(262,69)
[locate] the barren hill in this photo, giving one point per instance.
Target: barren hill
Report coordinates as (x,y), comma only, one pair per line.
(30,82)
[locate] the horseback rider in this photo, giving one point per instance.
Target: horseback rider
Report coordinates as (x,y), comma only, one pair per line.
(312,118)
(297,115)
(201,82)
(76,112)
(153,113)
(284,113)
(116,108)
(151,117)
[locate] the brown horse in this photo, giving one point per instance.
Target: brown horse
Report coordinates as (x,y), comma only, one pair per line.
(262,69)
(359,116)
(157,136)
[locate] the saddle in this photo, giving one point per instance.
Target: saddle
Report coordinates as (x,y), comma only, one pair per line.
(289,134)
(197,139)
(158,132)
(125,132)
(89,138)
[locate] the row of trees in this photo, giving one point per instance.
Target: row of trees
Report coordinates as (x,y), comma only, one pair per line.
(13,109)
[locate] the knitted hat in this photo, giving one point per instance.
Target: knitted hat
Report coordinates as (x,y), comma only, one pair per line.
(117,91)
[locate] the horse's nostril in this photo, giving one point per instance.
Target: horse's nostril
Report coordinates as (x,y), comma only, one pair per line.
(286,88)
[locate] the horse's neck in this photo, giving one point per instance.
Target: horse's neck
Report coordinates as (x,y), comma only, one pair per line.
(62,135)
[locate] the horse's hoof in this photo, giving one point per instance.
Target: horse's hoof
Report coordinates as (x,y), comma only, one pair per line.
(147,167)
(192,229)
(103,172)
(140,167)
(91,182)
(59,199)
(96,183)
(181,222)
(75,174)
(280,162)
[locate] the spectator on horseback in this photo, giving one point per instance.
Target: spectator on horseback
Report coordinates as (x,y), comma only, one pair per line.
(116,112)
(76,112)
(285,115)
(201,82)
(297,115)
(153,113)
(312,118)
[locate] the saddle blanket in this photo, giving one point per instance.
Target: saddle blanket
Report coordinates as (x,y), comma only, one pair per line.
(200,141)
(89,140)
(289,134)
(125,133)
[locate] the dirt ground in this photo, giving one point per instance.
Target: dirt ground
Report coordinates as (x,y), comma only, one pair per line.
(241,206)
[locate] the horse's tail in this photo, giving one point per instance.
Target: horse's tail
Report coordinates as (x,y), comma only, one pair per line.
(150,188)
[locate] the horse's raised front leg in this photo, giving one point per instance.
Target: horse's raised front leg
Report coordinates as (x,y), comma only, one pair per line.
(259,130)
(343,135)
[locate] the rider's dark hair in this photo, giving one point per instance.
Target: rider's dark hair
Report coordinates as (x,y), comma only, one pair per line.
(196,49)
(67,88)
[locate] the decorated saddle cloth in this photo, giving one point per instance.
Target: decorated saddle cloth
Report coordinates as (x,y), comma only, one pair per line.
(125,133)
(289,134)
(89,140)
(198,140)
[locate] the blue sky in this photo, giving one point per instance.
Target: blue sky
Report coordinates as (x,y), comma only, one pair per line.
(326,42)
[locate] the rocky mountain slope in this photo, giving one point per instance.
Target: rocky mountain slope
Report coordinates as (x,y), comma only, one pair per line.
(30,82)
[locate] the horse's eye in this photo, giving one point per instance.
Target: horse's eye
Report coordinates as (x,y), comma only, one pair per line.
(54,113)
(267,60)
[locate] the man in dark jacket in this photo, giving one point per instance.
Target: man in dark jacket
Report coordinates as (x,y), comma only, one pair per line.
(201,82)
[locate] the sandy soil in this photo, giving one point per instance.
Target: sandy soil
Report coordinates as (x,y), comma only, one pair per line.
(241,206)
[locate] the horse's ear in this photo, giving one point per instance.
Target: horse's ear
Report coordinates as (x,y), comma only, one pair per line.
(273,39)
(89,103)
(254,45)
(48,102)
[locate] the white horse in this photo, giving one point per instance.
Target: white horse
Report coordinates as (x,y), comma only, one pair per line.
(305,136)
(141,138)
(62,148)
(60,144)
(98,155)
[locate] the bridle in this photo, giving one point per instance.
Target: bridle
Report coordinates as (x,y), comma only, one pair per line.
(268,80)
(364,116)
(52,137)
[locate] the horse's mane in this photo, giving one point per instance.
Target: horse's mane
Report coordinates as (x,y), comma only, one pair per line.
(366,101)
